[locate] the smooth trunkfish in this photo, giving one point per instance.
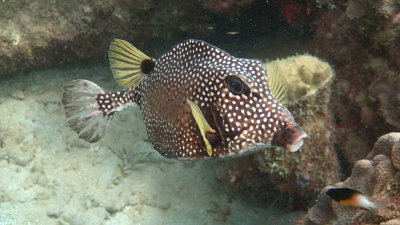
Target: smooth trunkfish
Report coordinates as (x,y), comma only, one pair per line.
(197,102)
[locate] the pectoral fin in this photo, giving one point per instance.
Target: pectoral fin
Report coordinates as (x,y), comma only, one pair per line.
(277,83)
(202,123)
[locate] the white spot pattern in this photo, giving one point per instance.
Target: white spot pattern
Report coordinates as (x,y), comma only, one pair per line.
(196,70)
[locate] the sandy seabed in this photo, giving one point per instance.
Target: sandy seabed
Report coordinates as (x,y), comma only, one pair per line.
(49,176)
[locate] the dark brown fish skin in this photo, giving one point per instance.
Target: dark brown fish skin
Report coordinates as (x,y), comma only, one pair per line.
(198,71)
(340,194)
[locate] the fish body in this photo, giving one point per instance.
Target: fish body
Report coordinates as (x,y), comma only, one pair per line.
(197,101)
(351,197)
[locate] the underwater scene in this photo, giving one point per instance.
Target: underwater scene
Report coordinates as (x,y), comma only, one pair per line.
(150,112)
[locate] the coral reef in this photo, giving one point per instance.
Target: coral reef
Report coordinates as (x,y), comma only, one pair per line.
(361,39)
(396,155)
(387,91)
(376,177)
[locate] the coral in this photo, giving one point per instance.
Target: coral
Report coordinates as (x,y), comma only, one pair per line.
(367,77)
(354,148)
(375,177)
(317,161)
(392,222)
(304,74)
(277,161)
(308,90)
(396,154)
(318,214)
(355,9)
(384,144)
(388,92)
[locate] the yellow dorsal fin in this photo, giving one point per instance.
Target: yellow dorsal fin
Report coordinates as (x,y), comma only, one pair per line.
(202,123)
(128,64)
(277,83)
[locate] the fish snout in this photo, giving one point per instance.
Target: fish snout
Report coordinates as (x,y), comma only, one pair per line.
(290,137)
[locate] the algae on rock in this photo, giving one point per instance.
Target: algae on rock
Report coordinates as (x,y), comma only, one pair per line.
(309,91)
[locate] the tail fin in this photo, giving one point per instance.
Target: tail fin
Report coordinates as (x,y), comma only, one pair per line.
(84,114)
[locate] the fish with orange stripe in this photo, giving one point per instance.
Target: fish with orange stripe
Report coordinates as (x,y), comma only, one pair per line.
(351,197)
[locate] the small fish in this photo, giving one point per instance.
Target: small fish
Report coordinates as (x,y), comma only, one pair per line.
(197,102)
(351,197)
(232,32)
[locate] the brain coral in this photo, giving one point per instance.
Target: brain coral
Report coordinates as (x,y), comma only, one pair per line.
(375,177)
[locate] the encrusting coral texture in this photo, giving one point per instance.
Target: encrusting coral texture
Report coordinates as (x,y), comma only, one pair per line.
(308,85)
(387,91)
(377,177)
(361,40)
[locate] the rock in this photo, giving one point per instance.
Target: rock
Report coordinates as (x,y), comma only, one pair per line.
(376,178)
(41,34)
(19,95)
(355,9)
(388,7)
(9,214)
(309,94)
(317,214)
(395,221)
(366,94)
(120,218)
(387,92)
(384,145)
(53,210)
(396,155)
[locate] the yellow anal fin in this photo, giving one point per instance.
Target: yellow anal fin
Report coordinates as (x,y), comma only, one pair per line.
(128,64)
(277,83)
(202,123)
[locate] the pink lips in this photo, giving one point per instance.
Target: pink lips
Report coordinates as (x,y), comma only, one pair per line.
(298,142)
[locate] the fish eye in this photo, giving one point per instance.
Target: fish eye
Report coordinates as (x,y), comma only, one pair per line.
(236,85)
